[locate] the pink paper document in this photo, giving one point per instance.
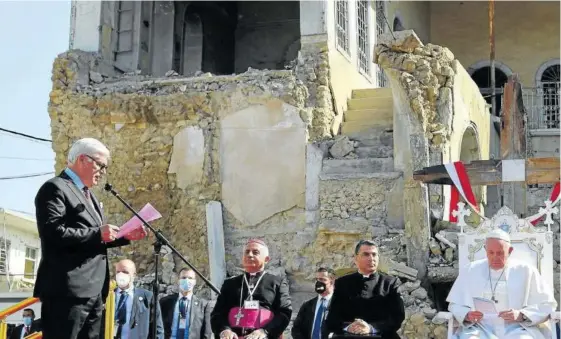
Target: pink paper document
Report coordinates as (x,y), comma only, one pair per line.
(484,305)
(148,213)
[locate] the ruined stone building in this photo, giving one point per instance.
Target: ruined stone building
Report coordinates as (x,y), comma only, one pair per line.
(238,119)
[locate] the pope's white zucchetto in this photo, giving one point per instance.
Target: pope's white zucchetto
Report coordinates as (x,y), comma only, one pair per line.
(498,234)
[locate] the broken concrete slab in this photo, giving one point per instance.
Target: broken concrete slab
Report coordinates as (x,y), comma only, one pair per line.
(341,147)
(401,41)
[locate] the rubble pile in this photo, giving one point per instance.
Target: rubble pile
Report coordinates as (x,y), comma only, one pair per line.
(443,250)
(340,147)
(419,313)
(443,261)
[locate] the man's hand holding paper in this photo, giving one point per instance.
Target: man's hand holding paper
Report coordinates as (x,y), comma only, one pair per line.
(474,316)
(511,315)
(134,229)
(484,306)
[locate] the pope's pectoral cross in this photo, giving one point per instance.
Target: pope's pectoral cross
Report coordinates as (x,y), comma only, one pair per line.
(461,212)
(238,316)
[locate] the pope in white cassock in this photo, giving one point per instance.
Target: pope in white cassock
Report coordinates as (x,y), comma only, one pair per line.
(523,300)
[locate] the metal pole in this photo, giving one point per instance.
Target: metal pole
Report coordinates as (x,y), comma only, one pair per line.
(492,55)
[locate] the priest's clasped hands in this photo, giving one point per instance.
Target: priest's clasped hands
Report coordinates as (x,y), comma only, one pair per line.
(360,327)
(508,315)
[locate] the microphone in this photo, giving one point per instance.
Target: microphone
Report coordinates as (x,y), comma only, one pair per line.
(160,241)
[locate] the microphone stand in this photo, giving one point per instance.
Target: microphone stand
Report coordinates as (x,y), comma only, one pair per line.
(160,241)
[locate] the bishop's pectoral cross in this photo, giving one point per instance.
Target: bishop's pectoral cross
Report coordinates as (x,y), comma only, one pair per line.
(238,316)
(513,171)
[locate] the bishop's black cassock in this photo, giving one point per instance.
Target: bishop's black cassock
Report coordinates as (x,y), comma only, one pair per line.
(374,299)
(272,294)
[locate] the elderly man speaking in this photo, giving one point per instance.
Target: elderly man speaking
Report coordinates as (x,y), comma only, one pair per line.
(73,276)
(520,296)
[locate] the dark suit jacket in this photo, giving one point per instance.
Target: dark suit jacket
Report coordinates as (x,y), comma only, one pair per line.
(272,293)
(199,321)
(16,333)
(141,313)
(304,322)
(374,300)
(73,257)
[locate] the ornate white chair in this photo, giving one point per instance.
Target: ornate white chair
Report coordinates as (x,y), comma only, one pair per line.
(531,245)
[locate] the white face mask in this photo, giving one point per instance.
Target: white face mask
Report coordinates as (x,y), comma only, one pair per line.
(123,280)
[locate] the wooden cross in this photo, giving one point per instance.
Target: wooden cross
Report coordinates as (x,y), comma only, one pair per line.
(511,169)
(490,172)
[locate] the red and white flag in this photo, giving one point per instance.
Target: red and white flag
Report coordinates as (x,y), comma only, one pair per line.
(461,187)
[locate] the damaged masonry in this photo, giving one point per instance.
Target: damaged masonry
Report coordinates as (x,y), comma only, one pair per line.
(289,143)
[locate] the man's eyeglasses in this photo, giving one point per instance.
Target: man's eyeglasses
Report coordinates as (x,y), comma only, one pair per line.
(99,164)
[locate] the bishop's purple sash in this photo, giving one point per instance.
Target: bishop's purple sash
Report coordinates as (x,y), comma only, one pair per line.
(249,318)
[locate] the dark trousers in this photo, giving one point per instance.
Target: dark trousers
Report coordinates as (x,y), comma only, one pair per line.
(71,318)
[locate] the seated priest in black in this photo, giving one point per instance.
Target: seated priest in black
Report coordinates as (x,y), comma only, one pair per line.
(255,304)
(365,303)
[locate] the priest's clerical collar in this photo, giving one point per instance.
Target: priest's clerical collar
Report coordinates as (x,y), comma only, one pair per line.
(367,276)
(254,274)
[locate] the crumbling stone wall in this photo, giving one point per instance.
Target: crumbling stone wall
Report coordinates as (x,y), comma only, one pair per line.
(312,68)
(138,118)
(148,123)
(434,102)
(427,75)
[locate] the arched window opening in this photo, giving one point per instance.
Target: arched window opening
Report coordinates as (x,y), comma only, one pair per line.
(203,37)
(482,77)
(397,25)
(469,151)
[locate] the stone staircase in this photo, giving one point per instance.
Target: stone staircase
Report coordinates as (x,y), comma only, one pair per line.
(369,122)
(363,190)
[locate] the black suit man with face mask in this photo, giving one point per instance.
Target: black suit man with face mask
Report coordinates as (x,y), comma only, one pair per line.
(313,312)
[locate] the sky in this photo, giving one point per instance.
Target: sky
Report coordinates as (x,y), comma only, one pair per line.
(33,34)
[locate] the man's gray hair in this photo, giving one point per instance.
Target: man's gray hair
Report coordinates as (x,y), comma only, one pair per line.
(86,146)
(261,244)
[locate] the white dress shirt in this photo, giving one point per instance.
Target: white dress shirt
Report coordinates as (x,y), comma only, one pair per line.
(326,305)
(175,321)
(130,293)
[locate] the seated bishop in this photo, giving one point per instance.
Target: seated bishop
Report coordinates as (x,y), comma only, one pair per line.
(513,300)
(255,304)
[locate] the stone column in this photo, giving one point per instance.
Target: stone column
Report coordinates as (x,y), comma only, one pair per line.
(162,33)
(314,157)
(312,17)
(411,152)
(84,25)
(216,251)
